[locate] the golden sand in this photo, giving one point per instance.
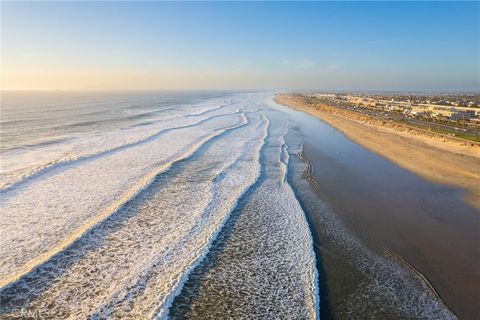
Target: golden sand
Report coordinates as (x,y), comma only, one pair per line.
(435,157)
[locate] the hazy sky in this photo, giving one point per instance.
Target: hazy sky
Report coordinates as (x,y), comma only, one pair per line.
(225,45)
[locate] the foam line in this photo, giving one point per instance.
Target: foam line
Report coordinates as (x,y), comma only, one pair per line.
(161,312)
(67,162)
(111,209)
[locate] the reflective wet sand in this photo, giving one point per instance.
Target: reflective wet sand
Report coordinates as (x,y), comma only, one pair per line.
(427,225)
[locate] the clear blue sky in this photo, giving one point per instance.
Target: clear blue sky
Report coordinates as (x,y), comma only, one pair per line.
(249,45)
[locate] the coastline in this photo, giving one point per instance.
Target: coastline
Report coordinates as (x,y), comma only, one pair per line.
(393,212)
(434,157)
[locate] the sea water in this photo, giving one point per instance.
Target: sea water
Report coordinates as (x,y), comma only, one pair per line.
(154,205)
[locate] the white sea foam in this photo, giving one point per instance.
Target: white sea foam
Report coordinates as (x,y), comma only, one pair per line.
(263,265)
(133,263)
(19,164)
(62,201)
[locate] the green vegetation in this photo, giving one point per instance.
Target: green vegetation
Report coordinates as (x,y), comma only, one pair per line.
(457,133)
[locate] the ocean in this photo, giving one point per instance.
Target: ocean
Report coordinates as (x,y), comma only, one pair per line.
(174,205)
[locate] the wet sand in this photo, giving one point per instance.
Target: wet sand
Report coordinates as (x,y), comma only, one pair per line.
(438,159)
(434,232)
(428,225)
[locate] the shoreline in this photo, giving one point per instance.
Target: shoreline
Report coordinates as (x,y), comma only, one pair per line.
(393,212)
(434,157)
(323,245)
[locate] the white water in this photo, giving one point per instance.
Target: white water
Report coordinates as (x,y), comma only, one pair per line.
(65,198)
(111,224)
(21,163)
(263,265)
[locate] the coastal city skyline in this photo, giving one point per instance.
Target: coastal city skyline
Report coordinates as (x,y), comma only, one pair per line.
(150,46)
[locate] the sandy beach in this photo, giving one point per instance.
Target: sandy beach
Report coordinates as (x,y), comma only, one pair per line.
(391,199)
(434,157)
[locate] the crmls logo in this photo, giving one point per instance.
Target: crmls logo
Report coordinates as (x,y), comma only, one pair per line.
(30,314)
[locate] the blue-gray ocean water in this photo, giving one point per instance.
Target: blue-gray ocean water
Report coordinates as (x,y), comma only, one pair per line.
(168,204)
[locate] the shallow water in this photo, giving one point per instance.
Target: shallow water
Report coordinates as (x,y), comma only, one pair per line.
(428,225)
(188,206)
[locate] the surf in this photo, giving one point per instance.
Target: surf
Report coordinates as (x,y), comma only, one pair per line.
(137,187)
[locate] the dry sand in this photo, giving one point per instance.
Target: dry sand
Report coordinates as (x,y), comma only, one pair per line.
(438,158)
